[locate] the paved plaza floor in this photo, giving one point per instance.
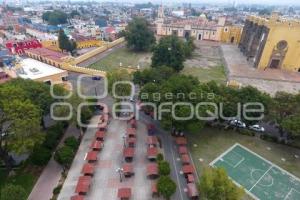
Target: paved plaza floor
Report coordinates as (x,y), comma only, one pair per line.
(105,182)
(268,80)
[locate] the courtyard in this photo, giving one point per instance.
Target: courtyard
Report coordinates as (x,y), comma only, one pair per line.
(267,80)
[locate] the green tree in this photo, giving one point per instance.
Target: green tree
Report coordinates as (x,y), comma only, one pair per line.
(55,17)
(170,51)
(40,155)
(216,185)
(64,156)
(72,142)
(116,76)
(63,40)
(154,75)
(138,35)
(12,192)
(164,168)
(166,187)
(291,124)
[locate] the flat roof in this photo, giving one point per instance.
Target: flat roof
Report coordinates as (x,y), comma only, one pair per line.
(33,69)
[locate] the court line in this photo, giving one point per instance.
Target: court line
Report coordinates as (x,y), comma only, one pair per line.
(239,162)
(261,178)
(285,198)
(223,154)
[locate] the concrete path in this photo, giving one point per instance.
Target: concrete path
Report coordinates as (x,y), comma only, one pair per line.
(51,174)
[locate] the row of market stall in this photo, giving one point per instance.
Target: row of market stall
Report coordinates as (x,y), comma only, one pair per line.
(187,168)
(85,180)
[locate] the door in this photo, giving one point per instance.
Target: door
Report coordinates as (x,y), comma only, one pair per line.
(232,39)
(199,37)
(275,63)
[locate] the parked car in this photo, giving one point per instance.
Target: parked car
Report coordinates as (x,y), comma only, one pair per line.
(257,128)
(96,78)
(237,123)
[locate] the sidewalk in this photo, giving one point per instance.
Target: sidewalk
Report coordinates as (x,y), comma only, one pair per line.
(51,174)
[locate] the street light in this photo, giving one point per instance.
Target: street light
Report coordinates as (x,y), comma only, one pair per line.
(124,139)
(120,171)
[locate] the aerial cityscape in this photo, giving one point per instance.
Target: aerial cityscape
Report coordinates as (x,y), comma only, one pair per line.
(149,100)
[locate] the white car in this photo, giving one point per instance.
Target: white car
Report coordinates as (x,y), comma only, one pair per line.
(237,123)
(257,128)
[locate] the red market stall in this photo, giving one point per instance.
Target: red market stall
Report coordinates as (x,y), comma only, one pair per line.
(131,132)
(128,153)
(190,178)
(91,156)
(131,141)
(100,135)
(77,197)
(152,141)
(102,126)
(96,145)
(88,169)
(128,169)
(185,159)
(152,153)
(124,193)
(83,185)
(188,169)
(181,141)
(154,190)
(132,123)
(182,150)
(192,191)
(152,170)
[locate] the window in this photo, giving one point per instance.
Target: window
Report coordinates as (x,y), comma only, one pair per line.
(48,82)
(226,29)
(64,78)
(281,45)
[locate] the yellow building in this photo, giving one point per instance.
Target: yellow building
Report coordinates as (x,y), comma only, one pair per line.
(231,34)
(272,42)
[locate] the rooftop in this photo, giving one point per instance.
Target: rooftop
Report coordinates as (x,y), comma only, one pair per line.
(53,55)
(33,69)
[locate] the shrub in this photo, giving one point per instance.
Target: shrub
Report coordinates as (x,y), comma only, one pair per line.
(246,132)
(269,138)
(164,168)
(160,157)
(40,156)
(57,190)
(72,142)
(64,156)
(166,186)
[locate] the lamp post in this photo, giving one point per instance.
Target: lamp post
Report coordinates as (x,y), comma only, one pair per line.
(124,139)
(120,171)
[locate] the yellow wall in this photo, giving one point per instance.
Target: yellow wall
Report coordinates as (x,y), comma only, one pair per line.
(279,32)
(53,44)
(229,32)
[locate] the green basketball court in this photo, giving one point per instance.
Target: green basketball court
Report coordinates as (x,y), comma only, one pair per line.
(260,178)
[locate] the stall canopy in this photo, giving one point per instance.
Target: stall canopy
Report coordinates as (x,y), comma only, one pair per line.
(83,184)
(188,169)
(77,197)
(88,169)
(131,132)
(91,156)
(185,159)
(154,188)
(124,193)
(181,141)
(131,141)
(127,168)
(183,150)
(190,178)
(96,145)
(192,190)
(100,135)
(152,152)
(152,169)
(128,152)
(152,140)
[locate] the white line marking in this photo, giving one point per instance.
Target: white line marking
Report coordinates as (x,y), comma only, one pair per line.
(198,177)
(237,164)
(288,194)
(223,154)
(261,178)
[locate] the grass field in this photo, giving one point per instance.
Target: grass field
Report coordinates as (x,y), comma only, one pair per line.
(209,143)
(261,179)
(124,56)
(216,73)
(24,177)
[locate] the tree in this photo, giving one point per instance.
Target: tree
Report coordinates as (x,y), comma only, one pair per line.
(12,192)
(63,40)
(216,185)
(55,18)
(189,47)
(138,35)
(116,76)
(154,75)
(40,155)
(72,142)
(166,187)
(291,124)
(64,156)
(164,168)
(170,52)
